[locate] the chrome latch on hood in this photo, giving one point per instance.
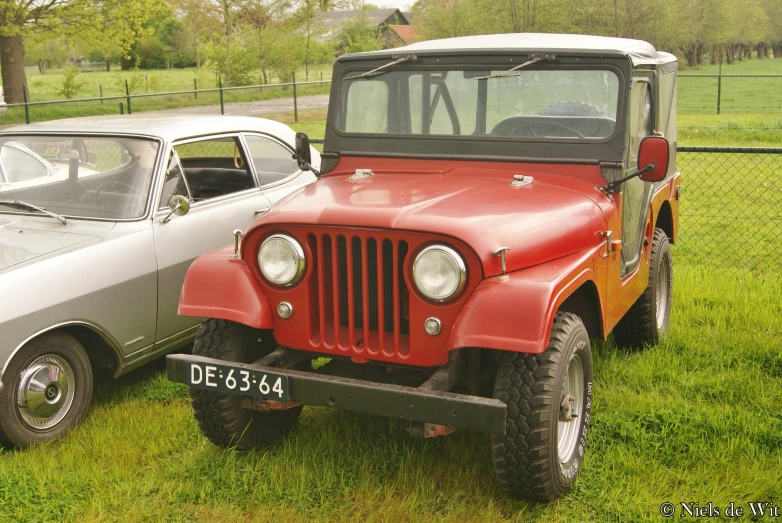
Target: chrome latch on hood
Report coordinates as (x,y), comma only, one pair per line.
(519,180)
(361,174)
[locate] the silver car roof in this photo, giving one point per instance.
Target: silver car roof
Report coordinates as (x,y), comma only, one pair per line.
(167,127)
(638,51)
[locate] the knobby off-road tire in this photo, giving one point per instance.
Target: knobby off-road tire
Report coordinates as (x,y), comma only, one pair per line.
(48,389)
(540,455)
(221,416)
(647,320)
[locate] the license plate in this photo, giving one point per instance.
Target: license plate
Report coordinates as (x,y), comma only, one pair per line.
(236,380)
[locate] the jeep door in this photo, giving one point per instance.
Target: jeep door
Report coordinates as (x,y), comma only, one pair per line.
(214,174)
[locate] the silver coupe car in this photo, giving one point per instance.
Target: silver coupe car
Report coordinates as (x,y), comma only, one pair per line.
(100,219)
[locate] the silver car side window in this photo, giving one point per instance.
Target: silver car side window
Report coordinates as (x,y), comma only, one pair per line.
(214,167)
(272,160)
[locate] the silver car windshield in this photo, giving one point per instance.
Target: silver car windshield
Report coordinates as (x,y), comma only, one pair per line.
(527,102)
(106,177)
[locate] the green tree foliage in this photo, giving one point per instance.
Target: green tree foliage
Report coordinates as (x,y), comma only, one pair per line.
(357,35)
(691,28)
(70,85)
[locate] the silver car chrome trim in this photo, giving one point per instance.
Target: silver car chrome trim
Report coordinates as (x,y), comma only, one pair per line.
(140,357)
(133,342)
(108,338)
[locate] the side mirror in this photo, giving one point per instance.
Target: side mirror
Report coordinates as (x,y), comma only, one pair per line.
(178,205)
(303,153)
(653,158)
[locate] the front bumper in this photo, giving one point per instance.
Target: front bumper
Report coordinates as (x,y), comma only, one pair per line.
(394,401)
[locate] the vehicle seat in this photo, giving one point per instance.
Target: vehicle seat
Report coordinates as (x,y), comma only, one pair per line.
(210,182)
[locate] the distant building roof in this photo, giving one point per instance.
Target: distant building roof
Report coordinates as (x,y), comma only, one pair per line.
(331,21)
(410,16)
(406,33)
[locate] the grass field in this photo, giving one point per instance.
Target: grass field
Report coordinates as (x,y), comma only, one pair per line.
(695,419)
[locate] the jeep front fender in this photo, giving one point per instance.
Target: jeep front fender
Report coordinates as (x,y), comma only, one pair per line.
(516,313)
(220,286)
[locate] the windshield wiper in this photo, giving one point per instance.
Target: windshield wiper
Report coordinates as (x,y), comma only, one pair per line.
(31,207)
(380,70)
(533,60)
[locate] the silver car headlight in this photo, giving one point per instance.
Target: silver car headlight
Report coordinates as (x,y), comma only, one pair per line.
(281,260)
(439,272)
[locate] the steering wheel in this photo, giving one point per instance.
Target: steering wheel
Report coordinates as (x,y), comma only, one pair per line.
(515,125)
(113,184)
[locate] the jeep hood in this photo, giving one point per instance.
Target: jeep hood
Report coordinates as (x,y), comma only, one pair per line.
(25,238)
(549,218)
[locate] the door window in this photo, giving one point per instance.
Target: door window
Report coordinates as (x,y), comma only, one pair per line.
(635,191)
(208,169)
(272,160)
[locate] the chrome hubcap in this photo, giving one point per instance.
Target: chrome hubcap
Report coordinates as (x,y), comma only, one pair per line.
(662,293)
(570,408)
(45,393)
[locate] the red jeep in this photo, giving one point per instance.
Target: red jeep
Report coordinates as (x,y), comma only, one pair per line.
(486,206)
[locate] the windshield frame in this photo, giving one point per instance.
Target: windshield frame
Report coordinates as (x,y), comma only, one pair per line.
(162,145)
(560,150)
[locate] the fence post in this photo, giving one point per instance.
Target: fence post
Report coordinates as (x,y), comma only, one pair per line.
(295,100)
(26,104)
(121,108)
(195,88)
(127,93)
(100,87)
(146,82)
(222,102)
(719,87)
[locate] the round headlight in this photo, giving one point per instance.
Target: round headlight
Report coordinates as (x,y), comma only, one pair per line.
(281,260)
(439,272)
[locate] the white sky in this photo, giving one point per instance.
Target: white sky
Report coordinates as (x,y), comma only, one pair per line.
(402,5)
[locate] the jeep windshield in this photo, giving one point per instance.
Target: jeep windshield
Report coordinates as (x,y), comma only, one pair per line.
(537,103)
(103,177)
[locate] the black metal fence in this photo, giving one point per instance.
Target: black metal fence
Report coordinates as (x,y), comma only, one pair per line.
(250,100)
(731,207)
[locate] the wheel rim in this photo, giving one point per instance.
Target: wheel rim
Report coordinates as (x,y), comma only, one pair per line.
(662,293)
(45,393)
(570,408)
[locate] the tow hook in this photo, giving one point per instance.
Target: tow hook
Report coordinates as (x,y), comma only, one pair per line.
(566,409)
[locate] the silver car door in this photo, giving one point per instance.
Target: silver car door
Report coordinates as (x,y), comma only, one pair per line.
(214,174)
(277,172)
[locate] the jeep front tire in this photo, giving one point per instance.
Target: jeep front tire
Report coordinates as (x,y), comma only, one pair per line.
(221,417)
(548,398)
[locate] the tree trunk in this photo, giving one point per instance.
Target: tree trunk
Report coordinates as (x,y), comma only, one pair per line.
(777,50)
(729,54)
(12,65)
(714,54)
(108,65)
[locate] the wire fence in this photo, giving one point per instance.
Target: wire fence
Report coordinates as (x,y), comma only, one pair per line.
(731,207)
(697,94)
(729,94)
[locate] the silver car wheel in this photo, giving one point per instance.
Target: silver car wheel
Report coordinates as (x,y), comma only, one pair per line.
(45,393)
(663,292)
(571,408)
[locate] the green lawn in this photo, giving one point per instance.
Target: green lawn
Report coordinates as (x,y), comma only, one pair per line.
(694,419)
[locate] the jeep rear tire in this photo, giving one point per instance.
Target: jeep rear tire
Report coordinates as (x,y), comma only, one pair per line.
(549,399)
(220,416)
(47,391)
(647,320)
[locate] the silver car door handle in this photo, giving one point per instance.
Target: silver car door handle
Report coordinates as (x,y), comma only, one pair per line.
(258,213)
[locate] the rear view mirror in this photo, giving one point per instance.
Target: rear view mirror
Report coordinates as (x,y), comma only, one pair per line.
(653,158)
(303,153)
(178,205)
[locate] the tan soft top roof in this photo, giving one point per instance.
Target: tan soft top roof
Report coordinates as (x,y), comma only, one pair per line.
(638,51)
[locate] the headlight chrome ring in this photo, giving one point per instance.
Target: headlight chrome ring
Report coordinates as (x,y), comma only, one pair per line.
(457,277)
(286,247)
